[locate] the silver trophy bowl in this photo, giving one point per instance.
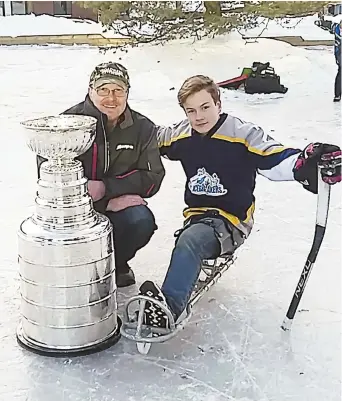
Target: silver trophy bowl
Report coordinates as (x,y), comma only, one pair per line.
(60,137)
(66,250)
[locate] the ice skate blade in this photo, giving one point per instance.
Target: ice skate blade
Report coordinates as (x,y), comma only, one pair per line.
(144,348)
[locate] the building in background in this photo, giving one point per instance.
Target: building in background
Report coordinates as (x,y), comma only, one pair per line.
(57,8)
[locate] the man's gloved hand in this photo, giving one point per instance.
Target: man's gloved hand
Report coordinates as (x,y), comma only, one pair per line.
(327,156)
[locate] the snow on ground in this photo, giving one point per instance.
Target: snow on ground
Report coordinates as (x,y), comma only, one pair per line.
(233,348)
(303,27)
(17,25)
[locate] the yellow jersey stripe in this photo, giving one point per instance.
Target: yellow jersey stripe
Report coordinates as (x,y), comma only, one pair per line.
(175,139)
(249,147)
(195,211)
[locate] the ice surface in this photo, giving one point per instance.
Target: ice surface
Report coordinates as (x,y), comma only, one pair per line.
(233,348)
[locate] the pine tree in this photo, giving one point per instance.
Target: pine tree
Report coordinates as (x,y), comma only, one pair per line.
(162,21)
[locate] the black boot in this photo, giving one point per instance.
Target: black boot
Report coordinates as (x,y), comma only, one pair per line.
(337,98)
(154,315)
(124,276)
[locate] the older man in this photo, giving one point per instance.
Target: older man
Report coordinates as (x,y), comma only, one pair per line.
(123,165)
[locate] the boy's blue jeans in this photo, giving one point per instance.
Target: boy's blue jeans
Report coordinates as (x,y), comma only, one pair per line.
(197,241)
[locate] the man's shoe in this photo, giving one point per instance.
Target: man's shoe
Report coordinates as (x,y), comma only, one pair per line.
(337,98)
(125,279)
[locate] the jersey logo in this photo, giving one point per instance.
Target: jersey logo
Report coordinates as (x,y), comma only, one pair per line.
(205,184)
(124,147)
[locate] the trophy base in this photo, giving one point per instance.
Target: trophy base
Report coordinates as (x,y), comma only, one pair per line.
(65,353)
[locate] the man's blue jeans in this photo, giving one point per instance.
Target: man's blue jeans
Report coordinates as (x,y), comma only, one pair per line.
(196,242)
(133,228)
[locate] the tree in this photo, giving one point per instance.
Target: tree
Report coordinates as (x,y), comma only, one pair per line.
(213,8)
(162,21)
(159,22)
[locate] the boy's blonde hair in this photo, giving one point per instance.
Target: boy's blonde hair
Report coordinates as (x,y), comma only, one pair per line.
(195,84)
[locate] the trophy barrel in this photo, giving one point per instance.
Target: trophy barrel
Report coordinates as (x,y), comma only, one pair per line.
(68,290)
(66,252)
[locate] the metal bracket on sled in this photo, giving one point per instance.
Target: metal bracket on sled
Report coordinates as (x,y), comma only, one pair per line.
(134,328)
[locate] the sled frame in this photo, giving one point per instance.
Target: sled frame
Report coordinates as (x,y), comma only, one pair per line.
(137,331)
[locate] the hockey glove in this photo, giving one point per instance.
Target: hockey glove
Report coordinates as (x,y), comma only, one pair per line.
(327,156)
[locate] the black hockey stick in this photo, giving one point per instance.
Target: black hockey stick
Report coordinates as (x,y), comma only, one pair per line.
(323,200)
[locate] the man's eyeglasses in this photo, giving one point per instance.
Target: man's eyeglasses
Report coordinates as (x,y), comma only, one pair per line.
(118,92)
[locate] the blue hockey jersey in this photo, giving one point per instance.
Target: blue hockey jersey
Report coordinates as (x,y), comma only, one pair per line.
(221,166)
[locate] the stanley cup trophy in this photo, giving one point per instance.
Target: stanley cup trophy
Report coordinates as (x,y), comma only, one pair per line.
(66,252)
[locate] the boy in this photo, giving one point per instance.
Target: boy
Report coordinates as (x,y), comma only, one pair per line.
(221,156)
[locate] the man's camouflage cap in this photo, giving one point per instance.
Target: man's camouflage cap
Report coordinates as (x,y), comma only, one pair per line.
(109,73)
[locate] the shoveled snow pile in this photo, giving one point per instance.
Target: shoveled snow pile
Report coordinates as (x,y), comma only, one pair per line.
(304,27)
(17,25)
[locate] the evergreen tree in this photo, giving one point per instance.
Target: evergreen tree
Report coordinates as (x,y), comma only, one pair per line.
(162,21)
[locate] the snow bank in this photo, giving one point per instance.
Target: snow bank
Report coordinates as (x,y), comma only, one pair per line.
(17,25)
(304,27)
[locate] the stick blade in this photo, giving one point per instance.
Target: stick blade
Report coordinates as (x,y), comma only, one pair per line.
(287,324)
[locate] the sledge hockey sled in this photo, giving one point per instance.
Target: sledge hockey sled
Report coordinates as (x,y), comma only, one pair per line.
(236,82)
(133,327)
(260,78)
